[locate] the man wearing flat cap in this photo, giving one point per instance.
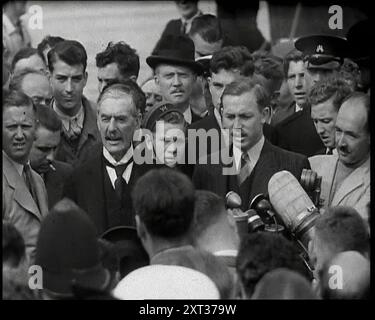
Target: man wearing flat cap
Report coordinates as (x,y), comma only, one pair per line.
(173,62)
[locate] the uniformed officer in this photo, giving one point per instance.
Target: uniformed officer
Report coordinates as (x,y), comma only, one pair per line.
(323,55)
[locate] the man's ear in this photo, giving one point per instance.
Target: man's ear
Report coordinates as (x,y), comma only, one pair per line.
(85,78)
(133,78)
(140,227)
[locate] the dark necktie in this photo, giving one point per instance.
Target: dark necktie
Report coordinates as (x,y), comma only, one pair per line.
(329,151)
(29,183)
(245,168)
(120,181)
(183,27)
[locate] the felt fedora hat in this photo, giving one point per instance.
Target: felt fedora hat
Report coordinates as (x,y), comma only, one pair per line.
(176,50)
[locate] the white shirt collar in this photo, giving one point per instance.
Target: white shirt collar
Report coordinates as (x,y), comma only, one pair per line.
(334,151)
(298,108)
(65,119)
(123,160)
(254,153)
(229,252)
(189,21)
(218,117)
(187,115)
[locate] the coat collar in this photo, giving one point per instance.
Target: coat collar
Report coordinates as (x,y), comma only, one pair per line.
(21,194)
(358,178)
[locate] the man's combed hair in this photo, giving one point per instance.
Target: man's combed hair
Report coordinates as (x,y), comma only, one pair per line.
(48,118)
(71,52)
(262,252)
(208,27)
(16,81)
(164,201)
(123,55)
(24,53)
(117,88)
(233,58)
(208,209)
(332,87)
(342,229)
(174,118)
(48,41)
(241,86)
(268,65)
(16,99)
(294,56)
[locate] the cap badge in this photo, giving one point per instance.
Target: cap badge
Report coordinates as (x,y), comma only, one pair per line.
(319,48)
(163,108)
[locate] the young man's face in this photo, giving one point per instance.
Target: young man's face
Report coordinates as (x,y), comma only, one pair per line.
(43,150)
(241,115)
(187,9)
(218,82)
(18,132)
(108,73)
(169,143)
(204,48)
(175,83)
(298,83)
(67,84)
(324,116)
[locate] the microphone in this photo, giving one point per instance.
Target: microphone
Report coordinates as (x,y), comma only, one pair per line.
(253,221)
(293,205)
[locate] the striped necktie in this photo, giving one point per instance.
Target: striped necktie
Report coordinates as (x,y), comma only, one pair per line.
(245,168)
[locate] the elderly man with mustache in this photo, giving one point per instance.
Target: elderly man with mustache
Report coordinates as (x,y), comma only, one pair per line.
(102,185)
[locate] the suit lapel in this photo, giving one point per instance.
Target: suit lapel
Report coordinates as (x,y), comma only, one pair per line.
(263,170)
(21,194)
(352,182)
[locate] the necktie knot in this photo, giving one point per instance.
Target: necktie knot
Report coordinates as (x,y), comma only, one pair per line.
(120,169)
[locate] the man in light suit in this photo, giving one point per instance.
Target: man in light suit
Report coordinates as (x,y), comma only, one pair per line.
(346,177)
(251,160)
(24,193)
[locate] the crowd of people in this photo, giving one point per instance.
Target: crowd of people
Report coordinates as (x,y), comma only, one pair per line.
(126,197)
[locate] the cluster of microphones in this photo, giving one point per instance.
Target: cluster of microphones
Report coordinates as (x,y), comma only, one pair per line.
(290,208)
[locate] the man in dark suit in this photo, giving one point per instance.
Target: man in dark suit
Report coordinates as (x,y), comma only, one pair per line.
(189,11)
(67,63)
(226,66)
(102,185)
(42,159)
(321,57)
(250,162)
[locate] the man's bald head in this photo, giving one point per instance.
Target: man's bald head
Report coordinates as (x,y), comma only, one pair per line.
(353,130)
(346,276)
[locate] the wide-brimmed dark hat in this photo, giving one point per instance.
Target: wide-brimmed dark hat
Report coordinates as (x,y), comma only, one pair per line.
(128,248)
(177,50)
